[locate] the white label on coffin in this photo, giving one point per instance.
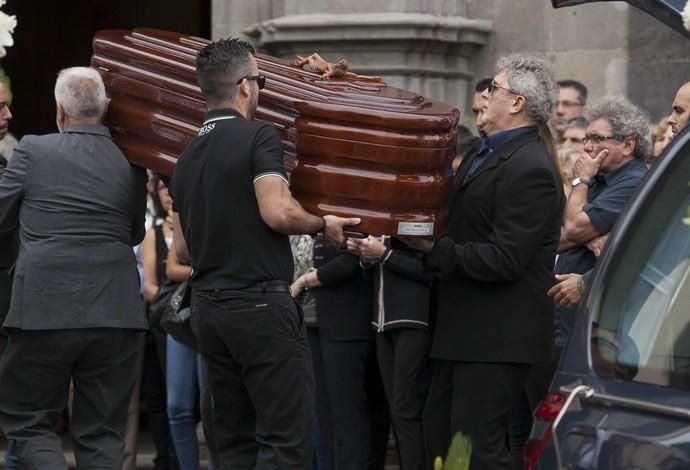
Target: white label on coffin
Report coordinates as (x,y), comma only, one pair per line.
(416,228)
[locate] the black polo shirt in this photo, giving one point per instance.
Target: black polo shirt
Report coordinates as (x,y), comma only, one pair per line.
(213,192)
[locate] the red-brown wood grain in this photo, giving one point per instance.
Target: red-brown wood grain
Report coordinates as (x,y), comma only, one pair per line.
(352,147)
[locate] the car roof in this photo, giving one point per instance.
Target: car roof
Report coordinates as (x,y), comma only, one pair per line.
(666,11)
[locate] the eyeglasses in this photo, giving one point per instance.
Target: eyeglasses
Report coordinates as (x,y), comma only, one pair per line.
(568,104)
(597,139)
(493,85)
(260,80)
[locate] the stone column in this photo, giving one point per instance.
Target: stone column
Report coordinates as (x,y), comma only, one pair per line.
(425,53)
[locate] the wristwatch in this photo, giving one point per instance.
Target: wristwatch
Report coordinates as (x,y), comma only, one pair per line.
(577,181)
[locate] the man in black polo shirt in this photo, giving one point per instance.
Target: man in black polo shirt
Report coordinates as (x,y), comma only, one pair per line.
(233,212)
(606,175)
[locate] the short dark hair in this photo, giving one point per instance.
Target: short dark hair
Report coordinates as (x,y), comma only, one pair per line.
(579,122)
(220,65)
(465,141)
(482,85)
(581,89)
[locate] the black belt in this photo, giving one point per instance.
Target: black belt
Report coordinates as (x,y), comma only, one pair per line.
(265,287)
(269,286)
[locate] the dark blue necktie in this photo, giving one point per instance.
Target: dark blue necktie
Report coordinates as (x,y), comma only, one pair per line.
(482,153)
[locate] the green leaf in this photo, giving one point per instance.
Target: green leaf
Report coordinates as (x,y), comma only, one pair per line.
(459,454)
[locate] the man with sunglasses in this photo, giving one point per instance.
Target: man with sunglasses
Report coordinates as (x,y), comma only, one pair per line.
(606,175)
(232,214)
(494,265)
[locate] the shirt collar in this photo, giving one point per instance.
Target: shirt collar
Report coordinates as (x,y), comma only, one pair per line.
(612,178)
(222,112)
(84,128)
(488,143)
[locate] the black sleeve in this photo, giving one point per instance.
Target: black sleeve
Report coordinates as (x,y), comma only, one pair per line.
(267,154)
(339,269)
(409,266)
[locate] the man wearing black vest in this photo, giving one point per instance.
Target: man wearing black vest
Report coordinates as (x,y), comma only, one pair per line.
(233,212)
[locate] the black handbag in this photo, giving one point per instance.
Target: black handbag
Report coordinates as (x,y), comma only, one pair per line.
(176,316)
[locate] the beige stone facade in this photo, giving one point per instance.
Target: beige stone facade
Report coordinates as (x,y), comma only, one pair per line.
(440,47)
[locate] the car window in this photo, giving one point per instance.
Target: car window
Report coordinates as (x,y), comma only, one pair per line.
(642,329)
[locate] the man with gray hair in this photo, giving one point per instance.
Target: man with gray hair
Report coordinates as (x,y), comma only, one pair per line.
(495,264)
(75,312)
(606,175)
(574,133)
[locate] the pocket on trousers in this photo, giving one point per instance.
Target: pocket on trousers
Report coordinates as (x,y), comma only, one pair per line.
(289,320)
(250,314)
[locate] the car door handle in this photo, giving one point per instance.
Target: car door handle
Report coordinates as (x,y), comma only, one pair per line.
(609,400)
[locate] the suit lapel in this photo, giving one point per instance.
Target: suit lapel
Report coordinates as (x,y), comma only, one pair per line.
(490,162)
(464,168)
(503,152)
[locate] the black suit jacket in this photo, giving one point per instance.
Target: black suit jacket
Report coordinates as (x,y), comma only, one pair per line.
(406,289)
(495,263)
(343,302)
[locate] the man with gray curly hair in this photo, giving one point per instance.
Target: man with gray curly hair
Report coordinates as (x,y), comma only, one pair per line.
(495,264)
(606,175)
(76,314)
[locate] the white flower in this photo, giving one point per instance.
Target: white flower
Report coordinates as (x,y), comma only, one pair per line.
(686,15)
(7,25)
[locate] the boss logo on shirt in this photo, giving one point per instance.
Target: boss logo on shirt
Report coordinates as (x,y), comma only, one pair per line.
(203,130)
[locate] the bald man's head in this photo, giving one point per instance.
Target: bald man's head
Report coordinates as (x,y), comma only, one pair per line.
(681,109)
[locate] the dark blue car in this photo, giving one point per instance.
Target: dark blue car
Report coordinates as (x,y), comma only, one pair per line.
(621,396)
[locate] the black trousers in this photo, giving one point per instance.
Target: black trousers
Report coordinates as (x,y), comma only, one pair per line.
(154,395)
(35,373)
(260,377)
(535,390)
(403,355)
(476,399)
(357,405)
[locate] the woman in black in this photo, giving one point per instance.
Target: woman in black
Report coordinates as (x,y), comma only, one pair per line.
(351,406)
(401,321)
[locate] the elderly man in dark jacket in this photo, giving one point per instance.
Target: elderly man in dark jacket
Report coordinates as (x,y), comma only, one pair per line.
(495,265)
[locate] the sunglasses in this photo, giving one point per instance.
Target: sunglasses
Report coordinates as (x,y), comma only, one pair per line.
(493,85)
(260,80)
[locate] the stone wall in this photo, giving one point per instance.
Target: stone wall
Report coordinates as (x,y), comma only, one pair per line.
(439,48)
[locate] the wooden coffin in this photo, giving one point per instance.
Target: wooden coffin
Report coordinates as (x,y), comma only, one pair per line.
(353,147)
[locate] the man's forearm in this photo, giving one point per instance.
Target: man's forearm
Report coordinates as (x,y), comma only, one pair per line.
(577,226)
(179,242)
(576,203)
(296,221)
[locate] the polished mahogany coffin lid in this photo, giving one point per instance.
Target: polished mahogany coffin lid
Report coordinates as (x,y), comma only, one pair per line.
(354,147)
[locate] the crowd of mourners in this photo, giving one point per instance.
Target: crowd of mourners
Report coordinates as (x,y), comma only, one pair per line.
(313,350)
